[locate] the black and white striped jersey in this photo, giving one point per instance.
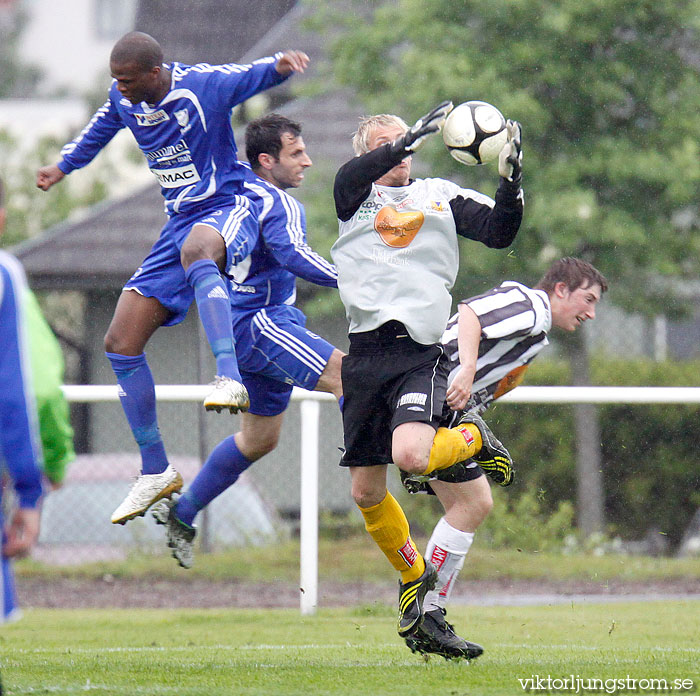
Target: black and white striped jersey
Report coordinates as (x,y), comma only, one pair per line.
(514,322)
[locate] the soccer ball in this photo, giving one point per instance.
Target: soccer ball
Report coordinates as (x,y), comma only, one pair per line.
(475,132)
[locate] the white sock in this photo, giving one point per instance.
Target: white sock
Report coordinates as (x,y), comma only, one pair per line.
(446,550)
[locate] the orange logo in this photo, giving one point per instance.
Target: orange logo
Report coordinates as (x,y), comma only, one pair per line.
(398,229)
(510,381)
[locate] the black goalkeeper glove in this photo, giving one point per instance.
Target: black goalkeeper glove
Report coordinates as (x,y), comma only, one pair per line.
(415,136)
(510,159)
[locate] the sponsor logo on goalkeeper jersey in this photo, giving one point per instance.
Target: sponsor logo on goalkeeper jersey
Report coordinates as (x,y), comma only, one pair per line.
(177,176)
(398,229)
(438,206)
(409,553)
(152,119)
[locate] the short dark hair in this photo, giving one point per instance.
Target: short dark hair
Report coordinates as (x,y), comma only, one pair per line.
(137,47)
(575,273)
(264,135)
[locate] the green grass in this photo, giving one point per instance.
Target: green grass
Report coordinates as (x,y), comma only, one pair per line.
(356,558)
(341,652)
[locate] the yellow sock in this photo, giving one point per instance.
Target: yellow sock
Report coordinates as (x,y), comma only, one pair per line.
(452,445)
(388,526)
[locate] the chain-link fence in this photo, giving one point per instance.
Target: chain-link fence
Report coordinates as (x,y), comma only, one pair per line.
(262,506)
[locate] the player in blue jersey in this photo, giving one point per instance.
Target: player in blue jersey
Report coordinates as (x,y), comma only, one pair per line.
(276,351)
(20,446)
(180,116)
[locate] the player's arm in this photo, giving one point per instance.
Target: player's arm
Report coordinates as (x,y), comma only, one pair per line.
(232,84)
(468,338)
(496,224)
(101,128)
(18,432)
(354,179)
(283,230)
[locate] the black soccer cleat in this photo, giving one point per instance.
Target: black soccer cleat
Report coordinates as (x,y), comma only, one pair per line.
(436,636)
(411,595)
(493,457)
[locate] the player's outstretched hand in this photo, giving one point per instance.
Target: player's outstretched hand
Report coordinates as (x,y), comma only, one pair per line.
(510,159)
(431,123)
(292,61)
(47,176)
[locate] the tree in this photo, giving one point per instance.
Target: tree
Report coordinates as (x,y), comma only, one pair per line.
(607,93)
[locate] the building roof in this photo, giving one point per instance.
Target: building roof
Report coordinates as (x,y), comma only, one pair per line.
(105,246)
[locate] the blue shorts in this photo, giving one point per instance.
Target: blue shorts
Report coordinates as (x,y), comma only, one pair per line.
(275,353)
(161,274)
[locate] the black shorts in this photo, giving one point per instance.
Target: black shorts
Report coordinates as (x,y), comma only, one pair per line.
(388,379)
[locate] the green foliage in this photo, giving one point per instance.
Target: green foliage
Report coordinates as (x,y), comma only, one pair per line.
(30,210)
(607,94)
(523,523)
(650,477)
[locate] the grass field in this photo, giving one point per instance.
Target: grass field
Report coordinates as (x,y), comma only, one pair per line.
(350,651)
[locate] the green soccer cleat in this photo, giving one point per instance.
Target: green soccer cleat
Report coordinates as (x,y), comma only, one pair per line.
(493,457)
(411,595)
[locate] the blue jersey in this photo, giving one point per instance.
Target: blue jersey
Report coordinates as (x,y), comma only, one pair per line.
(20,447)
(187,137)
(281,254)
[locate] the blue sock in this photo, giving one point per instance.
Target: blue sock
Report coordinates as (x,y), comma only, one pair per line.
(214,308)
(221,470)
(137,393)
(341,403)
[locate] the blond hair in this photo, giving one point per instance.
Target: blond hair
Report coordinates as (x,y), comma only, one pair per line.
(360,139)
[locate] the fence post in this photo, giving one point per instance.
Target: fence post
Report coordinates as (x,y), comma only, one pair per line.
(310,411)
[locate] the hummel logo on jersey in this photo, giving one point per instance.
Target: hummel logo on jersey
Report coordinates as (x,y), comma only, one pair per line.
(218,292)
(152,119)
(413,398)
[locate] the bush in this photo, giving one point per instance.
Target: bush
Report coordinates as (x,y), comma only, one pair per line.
(651,476)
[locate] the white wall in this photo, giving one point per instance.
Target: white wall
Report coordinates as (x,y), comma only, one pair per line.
(70,40)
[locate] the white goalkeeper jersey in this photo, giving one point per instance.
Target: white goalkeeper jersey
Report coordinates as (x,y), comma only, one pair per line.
(397,254)
(514,322)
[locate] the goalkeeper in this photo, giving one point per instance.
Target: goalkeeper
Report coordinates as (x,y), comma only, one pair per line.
(489,344)
(397,259)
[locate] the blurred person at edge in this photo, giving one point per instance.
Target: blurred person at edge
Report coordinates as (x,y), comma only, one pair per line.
(20,445)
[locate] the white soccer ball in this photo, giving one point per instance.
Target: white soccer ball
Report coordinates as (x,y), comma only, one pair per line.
(475,132)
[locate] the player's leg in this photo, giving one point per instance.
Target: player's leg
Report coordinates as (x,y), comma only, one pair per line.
(466,504)
(135,320)
(227,461)
(330,381)
(376,362)
(215,245)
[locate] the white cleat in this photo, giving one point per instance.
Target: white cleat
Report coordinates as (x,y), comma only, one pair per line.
(148,489)
(227,393)
(180,535)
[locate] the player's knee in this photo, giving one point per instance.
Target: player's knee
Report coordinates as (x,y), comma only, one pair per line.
(114,343)
(366,495)
(409,461)
(203,246)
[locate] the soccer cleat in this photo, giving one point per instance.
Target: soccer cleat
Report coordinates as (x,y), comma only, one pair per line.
(493,458)
(180,535)
(227,393)
(436,636)
(411,595)
(415,483)
(147,489)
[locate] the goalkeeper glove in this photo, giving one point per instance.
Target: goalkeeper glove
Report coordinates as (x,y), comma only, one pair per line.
(510,159)
(415,136)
